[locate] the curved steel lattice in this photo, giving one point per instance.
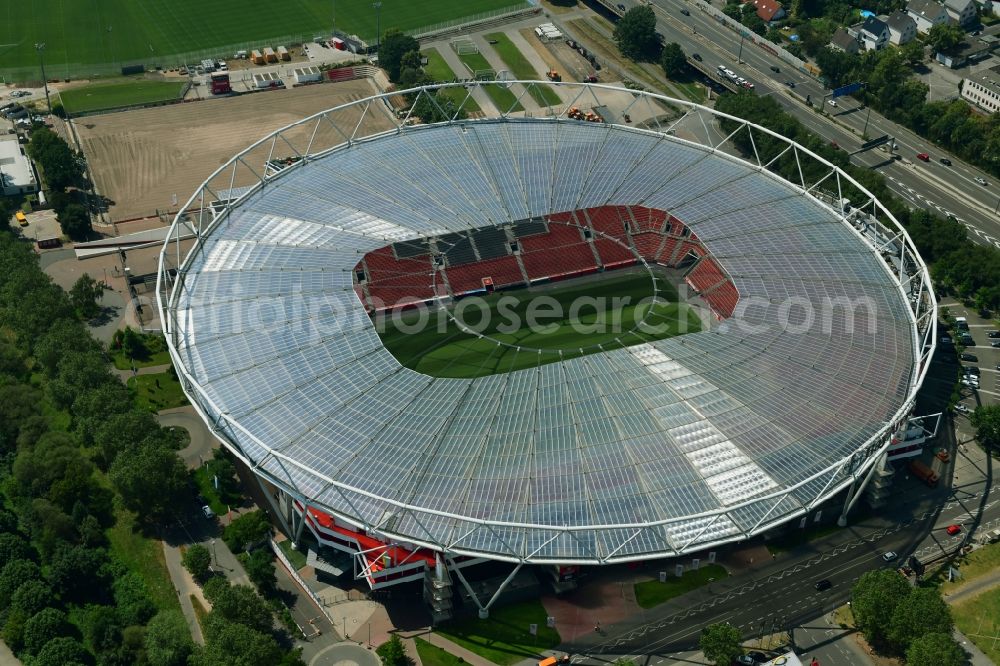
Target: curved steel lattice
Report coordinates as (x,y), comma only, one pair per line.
(637,452)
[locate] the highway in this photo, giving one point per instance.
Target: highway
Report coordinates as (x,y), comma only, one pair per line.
(933,186)
(782,593)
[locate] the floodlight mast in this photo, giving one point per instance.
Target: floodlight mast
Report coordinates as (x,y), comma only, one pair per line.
(40,47)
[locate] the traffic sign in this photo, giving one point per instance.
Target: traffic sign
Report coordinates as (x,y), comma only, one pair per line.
(847,90)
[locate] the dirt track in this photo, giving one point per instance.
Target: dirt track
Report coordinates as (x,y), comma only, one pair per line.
(139,159)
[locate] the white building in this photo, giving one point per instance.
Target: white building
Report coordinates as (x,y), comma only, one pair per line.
(927,14)
(902,28)
(17,175)
(983,90)
(873,34)
(962,12)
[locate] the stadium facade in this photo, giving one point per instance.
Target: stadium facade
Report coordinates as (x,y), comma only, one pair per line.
(274,267)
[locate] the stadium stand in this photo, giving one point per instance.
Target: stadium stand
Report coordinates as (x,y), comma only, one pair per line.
(705,275)
(457,248)
(560,253)
(491,242)
(414,248)
(532,227)
(723,299)
(504,272)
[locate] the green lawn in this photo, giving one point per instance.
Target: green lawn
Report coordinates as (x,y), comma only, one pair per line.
(113,95)
(296,557)
(504,638)
(652,593)
(157,391)
(503,98)
(444,350)
(155,353)
(86,37)
(522,69)
(979,619)
(219,502)
(143,556)
(977,563)
(439,71)
(432,655)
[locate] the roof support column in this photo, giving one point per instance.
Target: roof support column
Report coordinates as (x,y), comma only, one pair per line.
(855,491)
(484,611)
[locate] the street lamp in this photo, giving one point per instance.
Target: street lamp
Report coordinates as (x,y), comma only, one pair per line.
(378,26)
(215,560)
(739,58)
(40,47)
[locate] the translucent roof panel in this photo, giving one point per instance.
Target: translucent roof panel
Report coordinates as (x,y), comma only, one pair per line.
(654,448)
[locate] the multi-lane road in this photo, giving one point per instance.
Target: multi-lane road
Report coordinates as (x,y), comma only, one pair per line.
(931,185)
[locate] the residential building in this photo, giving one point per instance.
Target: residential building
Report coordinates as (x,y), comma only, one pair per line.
(17,175)
(962,12)
(902,28)
(770,10)
(983,89)
(843,41)
(873,34)
(927,14)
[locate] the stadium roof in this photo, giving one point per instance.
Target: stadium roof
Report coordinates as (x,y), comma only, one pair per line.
(655,449)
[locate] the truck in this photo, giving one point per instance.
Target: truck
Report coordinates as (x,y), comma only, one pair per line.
(220,84)
(923,472)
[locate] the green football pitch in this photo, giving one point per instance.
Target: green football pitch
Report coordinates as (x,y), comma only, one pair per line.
(100,35)
(571,319)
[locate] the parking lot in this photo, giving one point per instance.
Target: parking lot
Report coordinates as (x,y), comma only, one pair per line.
(979,355)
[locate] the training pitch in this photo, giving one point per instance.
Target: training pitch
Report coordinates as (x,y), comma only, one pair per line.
(571,319)
(115,32)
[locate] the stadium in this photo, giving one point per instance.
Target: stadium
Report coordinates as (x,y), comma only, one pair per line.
(784,334)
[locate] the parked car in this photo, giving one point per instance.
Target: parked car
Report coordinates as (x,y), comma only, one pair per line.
(962,409)
(993,334)
(743,660)
(758,657)
(981,181)
(995,343)
(207,511)
(968,357)
(945,161)
(889,556)
(970,370)
(945,340)
(823,585)
(952,530)
(923,157)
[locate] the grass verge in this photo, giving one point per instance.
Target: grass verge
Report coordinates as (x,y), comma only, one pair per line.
(219,502)
(503,98)
(972,566)
(979,619)
(200,611)
(295,556)
(439,70)
(522,69)
(504,638)
(652,593)
(157,391)
(154,352)
(432,655)
(143,556)
(112,95)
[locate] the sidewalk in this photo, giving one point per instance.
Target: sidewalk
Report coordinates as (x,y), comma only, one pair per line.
(457,650)
(977,658)
(185,587)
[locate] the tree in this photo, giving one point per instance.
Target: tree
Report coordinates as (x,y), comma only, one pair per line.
(197,561)
(231,644)
(635,33)
(168,640)
(392,652)
(84,294)
(754,22)
(673,61)
(78,572)
(74,220)
(935,649)
(242,605)
(63,651)
(721,643)
(13,575)
(122,431)
(31,597)
(394,46)
(221,468)
(248,529)
(62,167)
(43,627)
(924,612)
(13,547)
(101,628)
(150,479)
(913,52)
(874,599)
(260,568)
(132,599)
(945,37)
(986,421)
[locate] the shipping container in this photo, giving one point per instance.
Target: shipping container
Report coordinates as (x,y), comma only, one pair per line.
(257,58)
(283,53)
(270,55)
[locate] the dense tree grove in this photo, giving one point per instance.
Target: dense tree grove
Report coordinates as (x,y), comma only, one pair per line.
(635,33)
(63,170)
(65,423)
(958,265)
(721,643)
(986,421)
(399,56)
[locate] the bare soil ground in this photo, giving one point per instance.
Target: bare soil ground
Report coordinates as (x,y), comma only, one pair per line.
(139,159)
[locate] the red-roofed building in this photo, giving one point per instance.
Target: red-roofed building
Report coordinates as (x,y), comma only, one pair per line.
(769,10)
